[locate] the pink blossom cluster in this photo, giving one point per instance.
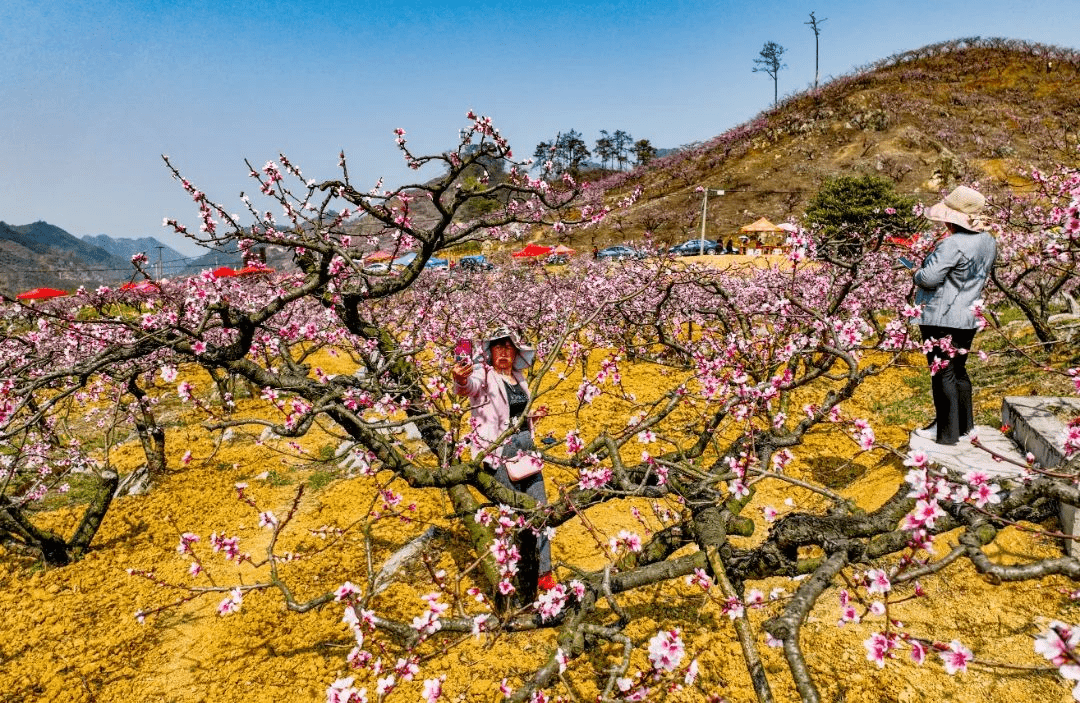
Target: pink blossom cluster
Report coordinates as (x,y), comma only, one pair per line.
(1058,643)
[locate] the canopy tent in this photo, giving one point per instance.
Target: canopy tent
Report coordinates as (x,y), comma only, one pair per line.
(41,294)
(766,232)
(760,225)
(223,272)
(253,271)
(531,251)
(379,255)
(788,227)
(405,259)
(562,249)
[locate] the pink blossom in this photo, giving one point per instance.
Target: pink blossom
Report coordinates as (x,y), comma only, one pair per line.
(918,651)
(432,689)
(956,658)
(231,603)
(699,578)
(1058,642)
(877,581)
(551,602)
(987,493)
(384,684)
(666,650)
(733,608)
(692,672)
(342,691)
(346,591)
(878,647)
(186,540)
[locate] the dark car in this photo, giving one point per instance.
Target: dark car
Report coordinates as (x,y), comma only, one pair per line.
(693,247)
(478,262)
(619,252)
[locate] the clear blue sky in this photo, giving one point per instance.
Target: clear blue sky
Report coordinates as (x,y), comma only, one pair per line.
(92,93)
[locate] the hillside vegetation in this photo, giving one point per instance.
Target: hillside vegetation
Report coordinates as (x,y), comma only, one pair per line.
(967,111)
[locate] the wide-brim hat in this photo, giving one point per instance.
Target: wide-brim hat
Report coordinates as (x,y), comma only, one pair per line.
(525,353)
(960,207)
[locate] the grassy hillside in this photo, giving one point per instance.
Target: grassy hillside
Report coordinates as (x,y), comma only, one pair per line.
(966,111)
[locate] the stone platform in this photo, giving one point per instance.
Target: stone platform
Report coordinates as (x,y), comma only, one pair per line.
(964,456)
(1038,427)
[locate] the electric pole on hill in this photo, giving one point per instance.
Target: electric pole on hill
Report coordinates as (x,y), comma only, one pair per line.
(814,25)
(704,214)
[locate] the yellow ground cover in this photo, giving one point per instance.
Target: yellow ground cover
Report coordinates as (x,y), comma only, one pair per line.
(70,634)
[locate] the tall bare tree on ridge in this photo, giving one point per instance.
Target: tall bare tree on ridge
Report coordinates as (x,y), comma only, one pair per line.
(770,61)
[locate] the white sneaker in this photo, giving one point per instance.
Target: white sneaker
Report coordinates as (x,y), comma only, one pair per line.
(929,432)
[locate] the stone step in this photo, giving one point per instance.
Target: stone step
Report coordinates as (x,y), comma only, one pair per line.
(1038,424)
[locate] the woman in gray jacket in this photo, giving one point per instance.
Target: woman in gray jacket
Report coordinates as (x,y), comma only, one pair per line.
(948,283)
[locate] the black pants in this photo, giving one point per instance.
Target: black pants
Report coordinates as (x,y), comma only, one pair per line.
(951,385)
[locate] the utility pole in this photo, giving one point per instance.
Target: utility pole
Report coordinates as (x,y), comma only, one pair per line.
(704,213)
(159,261)
(814,24)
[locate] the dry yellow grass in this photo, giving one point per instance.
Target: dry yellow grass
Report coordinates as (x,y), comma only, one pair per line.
(70,634)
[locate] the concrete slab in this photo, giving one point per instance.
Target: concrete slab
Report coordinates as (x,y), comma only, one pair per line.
(964,456)
(1038,424)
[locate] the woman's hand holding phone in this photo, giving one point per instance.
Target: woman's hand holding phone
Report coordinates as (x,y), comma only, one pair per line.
(461,371)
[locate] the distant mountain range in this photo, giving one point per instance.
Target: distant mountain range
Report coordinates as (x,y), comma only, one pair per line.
(126,248)
(43,255)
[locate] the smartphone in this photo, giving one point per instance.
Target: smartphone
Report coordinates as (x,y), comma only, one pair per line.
(463,351)
(905,262)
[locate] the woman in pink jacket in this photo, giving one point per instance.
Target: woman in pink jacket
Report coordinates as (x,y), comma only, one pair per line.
(499,396)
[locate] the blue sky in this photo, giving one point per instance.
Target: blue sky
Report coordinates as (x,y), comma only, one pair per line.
(92,93)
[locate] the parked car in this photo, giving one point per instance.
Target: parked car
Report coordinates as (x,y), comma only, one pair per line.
(619,252)
(693,247)
(477,262)
(378,267)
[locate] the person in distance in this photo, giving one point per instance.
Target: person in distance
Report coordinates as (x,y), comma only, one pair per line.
(949,282)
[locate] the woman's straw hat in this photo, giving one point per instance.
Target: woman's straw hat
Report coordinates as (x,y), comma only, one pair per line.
(525,353)
(961,207)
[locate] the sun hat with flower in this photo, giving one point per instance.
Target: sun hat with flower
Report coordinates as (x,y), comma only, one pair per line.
(960,207)
(525,353)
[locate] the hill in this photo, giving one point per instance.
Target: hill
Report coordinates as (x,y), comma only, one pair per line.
(40,254)
(966,111)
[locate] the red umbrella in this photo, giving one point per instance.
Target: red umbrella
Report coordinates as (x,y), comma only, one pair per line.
(532,250)
(224,272)
(41,294)
(253,271)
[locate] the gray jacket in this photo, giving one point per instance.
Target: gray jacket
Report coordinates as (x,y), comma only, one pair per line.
(952,278)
